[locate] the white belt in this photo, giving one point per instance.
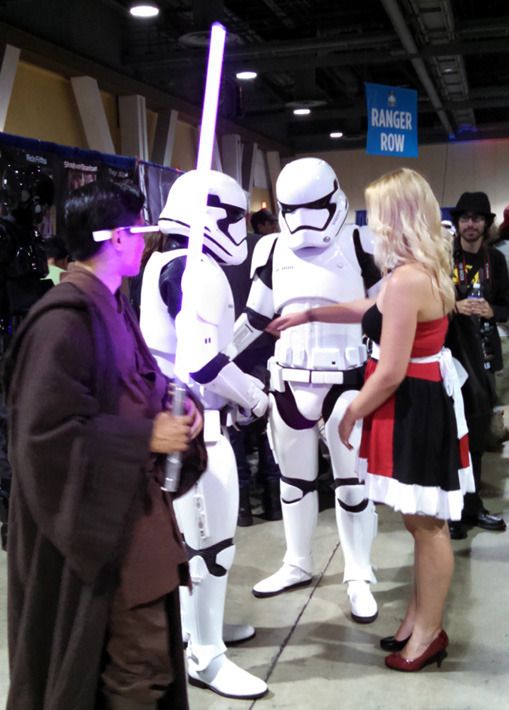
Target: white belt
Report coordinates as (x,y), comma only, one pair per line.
(453,375)
(280,374)
(317,377)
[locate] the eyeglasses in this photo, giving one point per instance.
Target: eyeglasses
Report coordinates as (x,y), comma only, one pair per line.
(102,235)
(475,218)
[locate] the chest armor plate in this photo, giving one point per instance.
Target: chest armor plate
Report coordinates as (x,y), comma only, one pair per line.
(311,278)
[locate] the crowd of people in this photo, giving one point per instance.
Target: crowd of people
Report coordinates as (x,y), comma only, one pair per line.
(382,340)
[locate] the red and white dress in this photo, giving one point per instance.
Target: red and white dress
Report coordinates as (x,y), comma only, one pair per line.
(414,449)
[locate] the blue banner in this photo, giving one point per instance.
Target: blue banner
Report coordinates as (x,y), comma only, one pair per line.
(392,121)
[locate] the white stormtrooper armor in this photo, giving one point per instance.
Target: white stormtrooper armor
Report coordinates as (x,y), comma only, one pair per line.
(316,370)
(207,515)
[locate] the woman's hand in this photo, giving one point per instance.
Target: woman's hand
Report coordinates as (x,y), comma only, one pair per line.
(192,411)
(345,428)
(289,321)
(170,433)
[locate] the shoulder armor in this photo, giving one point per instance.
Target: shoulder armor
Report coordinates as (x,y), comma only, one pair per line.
(262,252)
(215,293)
(367,238)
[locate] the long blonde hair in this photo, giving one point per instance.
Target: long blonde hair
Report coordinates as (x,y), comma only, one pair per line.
(405,216)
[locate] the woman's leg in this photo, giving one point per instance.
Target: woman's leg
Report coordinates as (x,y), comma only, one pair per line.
(433,568)
(407,625)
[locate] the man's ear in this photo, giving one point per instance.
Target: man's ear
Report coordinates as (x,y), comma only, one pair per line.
(117,239)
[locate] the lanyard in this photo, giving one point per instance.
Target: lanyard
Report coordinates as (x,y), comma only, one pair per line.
(484,272)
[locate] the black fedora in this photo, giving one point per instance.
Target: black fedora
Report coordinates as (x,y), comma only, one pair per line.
(475,202)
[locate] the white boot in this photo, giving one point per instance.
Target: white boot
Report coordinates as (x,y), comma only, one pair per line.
(299,520)
(237,633)
(226,678)
(232,634)
(363,605)
(356,533)
(286,578)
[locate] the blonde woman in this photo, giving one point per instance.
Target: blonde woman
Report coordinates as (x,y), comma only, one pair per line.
(414,449)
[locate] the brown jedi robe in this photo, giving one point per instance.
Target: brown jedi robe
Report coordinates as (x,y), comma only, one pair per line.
(78,486)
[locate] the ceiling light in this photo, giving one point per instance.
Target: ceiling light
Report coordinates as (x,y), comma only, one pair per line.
(246,75)
(301,111)
(144,9)
(336,134)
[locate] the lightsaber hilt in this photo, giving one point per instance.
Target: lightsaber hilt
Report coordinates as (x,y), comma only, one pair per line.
(174,461)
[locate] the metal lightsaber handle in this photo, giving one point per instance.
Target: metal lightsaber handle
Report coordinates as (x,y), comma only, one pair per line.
(174,460)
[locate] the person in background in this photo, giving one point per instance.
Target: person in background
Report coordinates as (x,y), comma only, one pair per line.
(252,437)
(501,241)
(414,447)
(264,222)
(95,555)
(482,300)
(58,258)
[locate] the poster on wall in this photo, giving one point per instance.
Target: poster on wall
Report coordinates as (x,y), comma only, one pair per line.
(392,121)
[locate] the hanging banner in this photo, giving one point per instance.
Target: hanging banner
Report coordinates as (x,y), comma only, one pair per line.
(392,121)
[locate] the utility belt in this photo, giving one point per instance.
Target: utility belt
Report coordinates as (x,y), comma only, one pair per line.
(279,374)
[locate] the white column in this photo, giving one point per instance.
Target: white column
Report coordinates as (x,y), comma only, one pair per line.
(248,165)
(274,168)
(232,156)
(217,163)
(7,76)
(133,126)
(164,139)
(92,113)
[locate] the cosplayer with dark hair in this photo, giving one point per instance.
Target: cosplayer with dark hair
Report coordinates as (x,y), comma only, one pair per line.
(264,222)
(114,205)
(482,300)
(90,422)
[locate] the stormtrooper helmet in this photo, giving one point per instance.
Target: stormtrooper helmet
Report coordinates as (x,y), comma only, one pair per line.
(225,232)
(312,206)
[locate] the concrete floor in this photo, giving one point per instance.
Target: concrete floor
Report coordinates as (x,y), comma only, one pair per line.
(311,653)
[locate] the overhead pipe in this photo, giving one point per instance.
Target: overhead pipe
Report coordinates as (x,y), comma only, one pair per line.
(408,42)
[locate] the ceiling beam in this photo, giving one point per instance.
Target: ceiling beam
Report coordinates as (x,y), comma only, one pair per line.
(265,57)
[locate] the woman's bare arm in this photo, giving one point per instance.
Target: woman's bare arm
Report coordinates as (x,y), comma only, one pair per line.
(349,312)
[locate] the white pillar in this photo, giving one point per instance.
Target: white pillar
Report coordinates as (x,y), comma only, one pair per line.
(133,126)
(274,168)
(164,139)
(232,156)
(92,113)
(7,76)
(248,165)
(217,163)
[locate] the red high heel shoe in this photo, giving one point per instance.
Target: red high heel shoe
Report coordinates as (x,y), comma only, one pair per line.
(435,653)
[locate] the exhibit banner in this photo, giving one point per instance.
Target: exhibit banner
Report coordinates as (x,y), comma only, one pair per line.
(392,121)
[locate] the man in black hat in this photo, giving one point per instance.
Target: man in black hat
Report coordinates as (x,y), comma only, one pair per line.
(482,300)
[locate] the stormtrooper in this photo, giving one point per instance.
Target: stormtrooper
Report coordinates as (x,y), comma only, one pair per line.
(316,370)
(207,514)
